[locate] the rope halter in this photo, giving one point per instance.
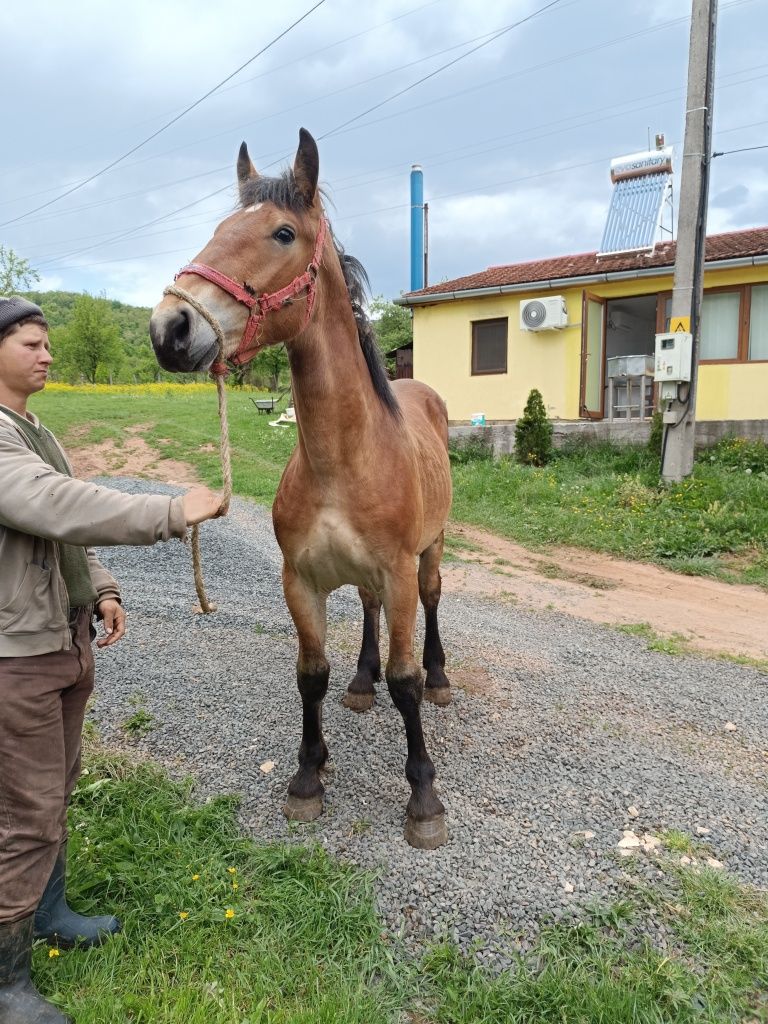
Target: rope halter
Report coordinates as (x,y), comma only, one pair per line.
(259,305)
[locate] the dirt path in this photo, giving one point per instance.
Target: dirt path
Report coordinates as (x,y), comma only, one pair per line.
(713,617)
(133,458)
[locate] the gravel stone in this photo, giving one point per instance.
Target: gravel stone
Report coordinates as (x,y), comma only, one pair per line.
(536,773)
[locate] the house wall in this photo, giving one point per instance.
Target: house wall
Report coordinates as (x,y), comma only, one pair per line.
(551,360)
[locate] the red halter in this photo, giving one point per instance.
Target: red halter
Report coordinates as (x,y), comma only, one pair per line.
(262,304)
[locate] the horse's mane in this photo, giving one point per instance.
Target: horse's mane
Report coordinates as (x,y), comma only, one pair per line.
(283,192)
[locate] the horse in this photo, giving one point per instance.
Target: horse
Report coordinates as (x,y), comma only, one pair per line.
(365,496)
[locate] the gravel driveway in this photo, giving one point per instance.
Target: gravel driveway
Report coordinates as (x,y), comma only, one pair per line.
(558,728)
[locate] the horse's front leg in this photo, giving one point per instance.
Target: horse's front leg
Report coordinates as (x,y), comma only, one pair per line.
(361,691)
(425,824)
(307,608)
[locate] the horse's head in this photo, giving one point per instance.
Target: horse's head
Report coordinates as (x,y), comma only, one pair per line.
(253,283)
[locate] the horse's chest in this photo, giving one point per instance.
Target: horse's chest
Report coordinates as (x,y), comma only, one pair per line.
(332,554)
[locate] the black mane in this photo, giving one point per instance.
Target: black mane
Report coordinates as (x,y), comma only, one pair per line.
(283,192)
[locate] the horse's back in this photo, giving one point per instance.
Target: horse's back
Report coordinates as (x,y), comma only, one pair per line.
(422,406)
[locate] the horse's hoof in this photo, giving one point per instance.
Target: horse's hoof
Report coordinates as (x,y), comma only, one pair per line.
(358,701)
(440,695)
(297,809)
(428,834)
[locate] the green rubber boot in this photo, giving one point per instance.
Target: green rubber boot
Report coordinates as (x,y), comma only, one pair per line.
(61,926)
(20,1002)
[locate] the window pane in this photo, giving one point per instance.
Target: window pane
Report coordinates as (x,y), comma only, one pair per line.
(758,323)
(489,346)
(720,326)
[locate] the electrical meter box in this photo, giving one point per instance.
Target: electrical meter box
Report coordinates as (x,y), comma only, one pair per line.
(673,357)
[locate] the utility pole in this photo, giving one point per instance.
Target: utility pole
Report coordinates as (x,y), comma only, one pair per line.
(680,413)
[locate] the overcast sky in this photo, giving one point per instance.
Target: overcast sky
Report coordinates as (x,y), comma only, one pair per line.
(515,139)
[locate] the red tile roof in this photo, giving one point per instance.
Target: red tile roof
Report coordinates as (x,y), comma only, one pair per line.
(729,246)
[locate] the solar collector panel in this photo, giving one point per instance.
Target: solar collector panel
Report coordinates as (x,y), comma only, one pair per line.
(634,214)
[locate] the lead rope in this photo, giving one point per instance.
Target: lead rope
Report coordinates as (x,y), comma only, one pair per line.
(206,607)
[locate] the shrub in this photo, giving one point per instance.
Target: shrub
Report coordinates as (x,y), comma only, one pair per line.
(656,435)
(533,433)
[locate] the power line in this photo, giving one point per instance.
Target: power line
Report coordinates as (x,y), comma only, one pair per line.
(746,149)
(168,124)
(443,67)
(521,136)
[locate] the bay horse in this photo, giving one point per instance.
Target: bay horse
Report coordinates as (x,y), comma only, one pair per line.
(367,490)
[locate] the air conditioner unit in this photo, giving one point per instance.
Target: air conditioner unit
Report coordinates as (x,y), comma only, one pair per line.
(543,314)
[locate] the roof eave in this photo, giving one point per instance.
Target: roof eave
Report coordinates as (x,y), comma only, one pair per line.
(569,282)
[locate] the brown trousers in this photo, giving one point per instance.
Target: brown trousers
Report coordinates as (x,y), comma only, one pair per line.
(42,706)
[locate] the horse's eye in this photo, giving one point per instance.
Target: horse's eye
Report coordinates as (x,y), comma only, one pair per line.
(284,236)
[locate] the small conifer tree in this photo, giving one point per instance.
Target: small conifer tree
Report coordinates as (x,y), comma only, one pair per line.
(533,433)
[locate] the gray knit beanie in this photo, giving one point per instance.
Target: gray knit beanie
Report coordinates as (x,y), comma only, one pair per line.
(14,309)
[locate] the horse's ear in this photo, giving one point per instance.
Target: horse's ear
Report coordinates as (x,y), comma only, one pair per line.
(306,166)
(245,169)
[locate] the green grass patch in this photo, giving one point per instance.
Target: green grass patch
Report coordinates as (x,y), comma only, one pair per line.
(609,499)
(675,644)
(217,929)
(179,425)
(221,930)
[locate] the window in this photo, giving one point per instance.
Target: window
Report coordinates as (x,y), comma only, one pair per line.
(720,325)
(489,346)
(734,323)
(758,322)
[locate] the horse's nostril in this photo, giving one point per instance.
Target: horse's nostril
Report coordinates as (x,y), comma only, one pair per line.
(178,328)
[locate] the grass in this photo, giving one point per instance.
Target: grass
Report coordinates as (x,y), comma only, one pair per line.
(608,499)
(180,424)
(677,644)
(596,496)
(221,930)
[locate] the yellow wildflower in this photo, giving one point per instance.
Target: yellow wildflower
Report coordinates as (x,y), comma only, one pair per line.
(195,878)
(235,885)
(183,914)
(232,871)
(229,913)
(53,952)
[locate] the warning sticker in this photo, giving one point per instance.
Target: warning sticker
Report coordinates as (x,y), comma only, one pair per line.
(680,325)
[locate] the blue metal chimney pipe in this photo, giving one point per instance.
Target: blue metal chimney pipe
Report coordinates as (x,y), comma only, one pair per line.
(417,228)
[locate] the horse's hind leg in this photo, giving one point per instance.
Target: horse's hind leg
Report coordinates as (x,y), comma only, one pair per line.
(425,825)
(436,688)
(307,608)
(361,691)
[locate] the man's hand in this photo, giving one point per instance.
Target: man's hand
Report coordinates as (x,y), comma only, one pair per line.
(200,504)
(113,621)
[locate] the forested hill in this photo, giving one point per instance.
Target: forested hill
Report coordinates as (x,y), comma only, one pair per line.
(130,358)
(133,321)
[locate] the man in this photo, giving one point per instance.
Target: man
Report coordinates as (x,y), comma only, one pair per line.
(51,584)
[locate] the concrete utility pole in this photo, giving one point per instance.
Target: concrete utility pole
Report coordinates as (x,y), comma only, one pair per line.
(680,417)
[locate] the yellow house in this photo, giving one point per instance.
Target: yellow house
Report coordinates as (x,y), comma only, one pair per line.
(594,320)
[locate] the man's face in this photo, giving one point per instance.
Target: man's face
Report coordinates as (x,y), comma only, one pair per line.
(25,357)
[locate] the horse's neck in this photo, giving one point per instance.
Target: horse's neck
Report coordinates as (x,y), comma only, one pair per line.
(336,405)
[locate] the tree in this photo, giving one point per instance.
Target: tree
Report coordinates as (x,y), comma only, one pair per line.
(533,433)
(269,366)
(15,272)
(89,346)
(392,324)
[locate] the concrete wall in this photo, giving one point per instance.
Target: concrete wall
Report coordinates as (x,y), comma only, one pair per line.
(502,435)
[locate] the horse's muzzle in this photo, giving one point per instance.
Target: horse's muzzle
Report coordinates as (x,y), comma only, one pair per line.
(181,346)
